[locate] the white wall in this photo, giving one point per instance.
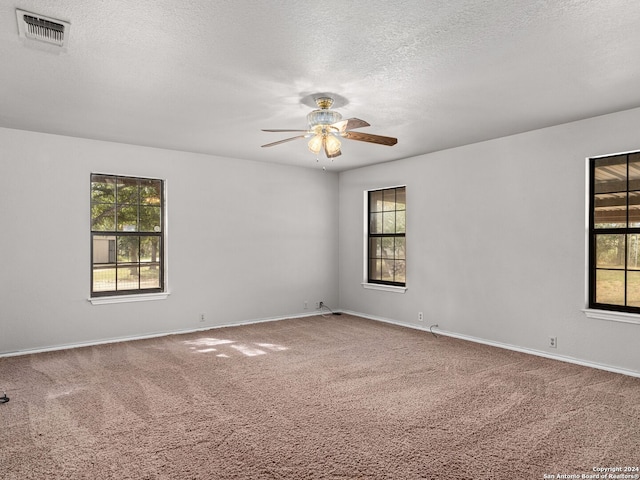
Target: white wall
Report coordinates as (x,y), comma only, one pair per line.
(246,240)
(496,241)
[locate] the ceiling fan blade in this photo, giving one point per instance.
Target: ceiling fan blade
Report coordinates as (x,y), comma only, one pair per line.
(350,124)
(371,138)
(282,130)
(284,141)
(356,123)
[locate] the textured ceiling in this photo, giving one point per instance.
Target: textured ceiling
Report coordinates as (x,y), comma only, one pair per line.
(206,76)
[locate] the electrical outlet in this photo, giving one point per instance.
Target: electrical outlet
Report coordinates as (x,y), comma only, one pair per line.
(420,316)
(319,304)
(306,305)
(553,342)
(202,317)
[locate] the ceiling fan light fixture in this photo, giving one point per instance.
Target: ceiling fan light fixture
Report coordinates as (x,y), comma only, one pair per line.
(315,144)
(332,145)
(325,141)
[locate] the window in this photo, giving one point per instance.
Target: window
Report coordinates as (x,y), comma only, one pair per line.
(614,233)
(127,239)
(386,236)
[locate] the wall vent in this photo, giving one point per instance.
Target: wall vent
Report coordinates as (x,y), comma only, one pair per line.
(45,29)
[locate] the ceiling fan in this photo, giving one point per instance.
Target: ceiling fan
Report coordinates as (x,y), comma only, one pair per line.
(326,127)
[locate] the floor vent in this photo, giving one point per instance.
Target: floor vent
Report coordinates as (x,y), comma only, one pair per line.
(45,29)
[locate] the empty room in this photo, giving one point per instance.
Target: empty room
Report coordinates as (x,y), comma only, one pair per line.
(301,240)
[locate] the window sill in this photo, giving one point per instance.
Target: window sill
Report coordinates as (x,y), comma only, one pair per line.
(612,316)
(384,288)
(144,297)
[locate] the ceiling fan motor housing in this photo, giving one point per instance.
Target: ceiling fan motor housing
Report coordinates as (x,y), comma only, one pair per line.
(323,116)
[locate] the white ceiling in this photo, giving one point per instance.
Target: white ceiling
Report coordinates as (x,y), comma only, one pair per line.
(206,76)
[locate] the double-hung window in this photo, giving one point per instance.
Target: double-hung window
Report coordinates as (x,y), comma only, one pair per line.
(386,236)
(127,235)
(614,233)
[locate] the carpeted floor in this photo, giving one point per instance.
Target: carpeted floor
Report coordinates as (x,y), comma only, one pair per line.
(320,397)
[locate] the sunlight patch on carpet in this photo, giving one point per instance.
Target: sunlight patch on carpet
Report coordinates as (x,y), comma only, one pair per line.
(209,345)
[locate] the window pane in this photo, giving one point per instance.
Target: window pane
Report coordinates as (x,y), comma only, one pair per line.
(375,247)
(150,249)
(388,247)
(128,249)
(400,267)
(104,279)
(128,278)
(400,222)
(634,171)
(150,276)
(389,222)
(389,199)
(375,201)
(610,174)
(610,251)
(103,189)
(400,248)
(387,270)
(150,219)
(633,289)
(376,223)
(401,198)
(634,209)
(127,218)
(128,191)
(104,249)
(610,287)
(633,252)
(610,210)
(150,192)
(103,217)
(375,269)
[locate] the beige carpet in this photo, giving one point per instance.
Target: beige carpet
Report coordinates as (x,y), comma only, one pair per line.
(338,397)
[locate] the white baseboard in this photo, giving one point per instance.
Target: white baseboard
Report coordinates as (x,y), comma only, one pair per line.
(52,348)
(530,351)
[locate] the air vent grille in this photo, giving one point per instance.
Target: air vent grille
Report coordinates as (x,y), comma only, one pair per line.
(45,29)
